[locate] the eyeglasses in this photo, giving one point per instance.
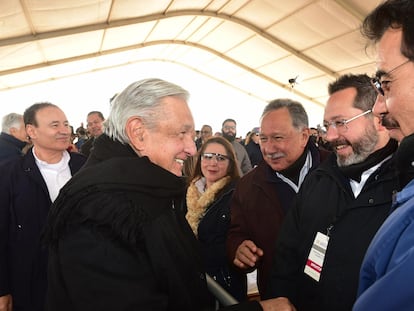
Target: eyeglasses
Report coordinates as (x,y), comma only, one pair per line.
(228,127)
(217,156)
(382,86)
(340,125)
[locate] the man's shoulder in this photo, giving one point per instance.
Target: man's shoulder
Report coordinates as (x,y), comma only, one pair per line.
(77,160)
(257,174)
(77,156)
(238,147)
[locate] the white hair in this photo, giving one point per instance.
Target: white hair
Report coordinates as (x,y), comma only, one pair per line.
(143,99)
(11,120)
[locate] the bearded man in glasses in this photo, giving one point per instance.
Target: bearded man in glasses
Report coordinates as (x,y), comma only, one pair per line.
(339,207)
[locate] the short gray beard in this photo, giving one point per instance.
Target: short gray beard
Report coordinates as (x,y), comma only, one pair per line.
(362,149)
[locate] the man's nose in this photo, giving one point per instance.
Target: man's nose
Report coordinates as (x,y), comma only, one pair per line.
(380,107)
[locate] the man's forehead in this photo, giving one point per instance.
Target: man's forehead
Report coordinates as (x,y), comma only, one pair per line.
(389,50)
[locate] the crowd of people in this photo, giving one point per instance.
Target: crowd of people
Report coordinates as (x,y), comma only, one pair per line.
(135,212)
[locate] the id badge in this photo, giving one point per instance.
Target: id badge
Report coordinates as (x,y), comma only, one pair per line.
(314,264)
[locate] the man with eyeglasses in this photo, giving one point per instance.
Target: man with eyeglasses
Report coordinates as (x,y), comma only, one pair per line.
(339,207)
(229,132)
(388,267)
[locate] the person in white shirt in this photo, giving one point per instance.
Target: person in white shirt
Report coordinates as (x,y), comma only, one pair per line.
(28,186)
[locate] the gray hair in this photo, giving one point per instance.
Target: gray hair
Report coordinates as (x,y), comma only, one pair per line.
(143,99)
(11,120)
(297,112)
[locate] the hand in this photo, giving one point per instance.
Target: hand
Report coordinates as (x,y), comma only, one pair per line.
(247,255)
(6,303)
(277,304)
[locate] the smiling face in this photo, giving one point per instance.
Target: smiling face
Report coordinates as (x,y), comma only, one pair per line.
(355,141)
(213,169)
(52,132)
(95,124)
(172,141)
(281,143)
(399,92)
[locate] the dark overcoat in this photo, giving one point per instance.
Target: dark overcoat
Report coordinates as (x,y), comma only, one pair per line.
(326,204)
(258,207)
(119,239)
(24,205)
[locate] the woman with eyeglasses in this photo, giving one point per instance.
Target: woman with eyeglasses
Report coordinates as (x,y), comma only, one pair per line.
(208,211)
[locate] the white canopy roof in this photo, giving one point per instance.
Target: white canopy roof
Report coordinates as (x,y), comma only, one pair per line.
(255,46)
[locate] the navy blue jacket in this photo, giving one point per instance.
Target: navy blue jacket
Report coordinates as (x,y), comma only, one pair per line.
(10,146)
(24,205)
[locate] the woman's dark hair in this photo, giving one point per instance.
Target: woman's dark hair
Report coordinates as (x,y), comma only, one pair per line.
(232,170)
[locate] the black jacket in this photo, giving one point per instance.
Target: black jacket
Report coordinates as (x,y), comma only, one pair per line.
(212,233)
(254,152)
(10,146)
(258,209)
(24,205)
(326,200)
(119,240)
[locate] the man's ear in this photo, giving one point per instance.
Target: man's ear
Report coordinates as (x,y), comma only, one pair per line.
(12,131)
(305,136)
(135,130)
(30,130)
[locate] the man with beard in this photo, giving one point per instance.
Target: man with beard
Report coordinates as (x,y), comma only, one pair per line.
(339,207)
(229,132)
(263,196)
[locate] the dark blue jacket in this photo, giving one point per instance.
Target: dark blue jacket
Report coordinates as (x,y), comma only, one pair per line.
(10,146)
(385,281)
(254,152)
(24,205)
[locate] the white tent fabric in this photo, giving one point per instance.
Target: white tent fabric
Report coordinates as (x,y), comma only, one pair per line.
(260,47)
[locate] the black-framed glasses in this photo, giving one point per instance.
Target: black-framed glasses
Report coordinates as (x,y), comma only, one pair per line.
(209,156)
(339,125)
(382,86)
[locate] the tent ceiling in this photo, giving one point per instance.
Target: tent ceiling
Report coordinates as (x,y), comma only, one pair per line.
(253,45)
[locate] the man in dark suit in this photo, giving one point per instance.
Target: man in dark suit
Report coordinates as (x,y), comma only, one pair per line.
(95,128)
(13,136)
(28,186)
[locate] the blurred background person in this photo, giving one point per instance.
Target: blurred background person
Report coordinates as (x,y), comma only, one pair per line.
(229,132)
(13,137)
(205,133)
(253,148)
(95,120)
